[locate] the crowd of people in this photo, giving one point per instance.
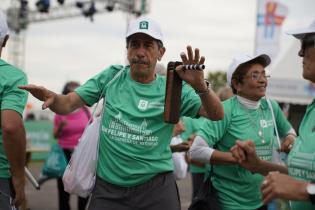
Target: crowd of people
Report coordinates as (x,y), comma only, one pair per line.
(236,138)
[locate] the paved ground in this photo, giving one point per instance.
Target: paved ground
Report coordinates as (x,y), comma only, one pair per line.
(46,198)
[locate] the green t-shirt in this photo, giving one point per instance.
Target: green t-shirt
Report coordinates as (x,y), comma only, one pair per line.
(301,159)
(134,142)
(13,98)
(196,169)
(238,188)
(192,125)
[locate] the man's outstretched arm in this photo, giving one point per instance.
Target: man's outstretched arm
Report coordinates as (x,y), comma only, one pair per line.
(58,103)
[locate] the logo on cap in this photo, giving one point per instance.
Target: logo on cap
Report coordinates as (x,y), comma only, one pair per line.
(144,25)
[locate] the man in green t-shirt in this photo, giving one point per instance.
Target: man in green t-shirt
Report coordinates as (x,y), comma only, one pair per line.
(134,164)
(299,186)
(12,133)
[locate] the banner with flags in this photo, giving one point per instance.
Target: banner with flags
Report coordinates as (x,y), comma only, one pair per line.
(270,17)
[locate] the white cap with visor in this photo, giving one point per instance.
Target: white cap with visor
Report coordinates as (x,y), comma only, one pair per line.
(263,59)
(300,33)
(145,25)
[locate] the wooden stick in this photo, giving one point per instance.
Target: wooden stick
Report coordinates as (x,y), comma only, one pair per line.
(173,94)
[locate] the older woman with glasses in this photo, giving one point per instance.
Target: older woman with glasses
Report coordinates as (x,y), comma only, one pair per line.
(248,115)
(297,183)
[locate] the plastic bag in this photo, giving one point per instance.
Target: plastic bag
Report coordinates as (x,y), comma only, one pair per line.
(55,163)
(180,165)
(80,174)
(179,162)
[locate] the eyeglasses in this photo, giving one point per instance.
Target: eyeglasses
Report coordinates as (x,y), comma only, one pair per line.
(256,76)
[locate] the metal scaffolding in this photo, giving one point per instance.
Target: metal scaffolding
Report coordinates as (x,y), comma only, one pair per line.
(20,17)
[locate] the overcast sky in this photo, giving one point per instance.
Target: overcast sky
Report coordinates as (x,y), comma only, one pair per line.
(76,49)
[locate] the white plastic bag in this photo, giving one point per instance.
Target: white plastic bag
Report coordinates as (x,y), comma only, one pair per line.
(179,162)
(80,174)
(180,165)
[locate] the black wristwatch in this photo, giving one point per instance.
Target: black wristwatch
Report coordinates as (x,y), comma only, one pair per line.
(209,86)
(310,189)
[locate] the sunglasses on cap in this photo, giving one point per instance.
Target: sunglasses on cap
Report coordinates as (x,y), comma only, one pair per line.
(306,42)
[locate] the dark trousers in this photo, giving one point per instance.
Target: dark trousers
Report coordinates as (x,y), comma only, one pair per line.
(63,196)
(159,193)
(197,182)
(6,194)
(263,208)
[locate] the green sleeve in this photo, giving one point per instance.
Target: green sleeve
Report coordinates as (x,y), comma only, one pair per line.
(213,131)
(188,124)
(92,89)
(283,124)
(191,102)
(192,125)
(13,98)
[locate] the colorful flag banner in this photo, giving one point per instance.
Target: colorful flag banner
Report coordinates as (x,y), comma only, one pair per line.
(270,17)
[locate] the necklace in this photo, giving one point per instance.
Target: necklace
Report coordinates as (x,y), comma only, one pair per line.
(254,125)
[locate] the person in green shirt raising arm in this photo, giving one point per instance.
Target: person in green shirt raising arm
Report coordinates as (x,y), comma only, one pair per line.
(134,163)
(299,185)
(12,132)
(246,115)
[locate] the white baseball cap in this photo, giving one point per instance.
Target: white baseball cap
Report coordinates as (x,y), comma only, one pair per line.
(262,59)
(301,32)
(4,30)
(145,25)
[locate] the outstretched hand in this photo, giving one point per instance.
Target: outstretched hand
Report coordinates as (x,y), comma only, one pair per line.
(41,94)
(193,77)
(245,154)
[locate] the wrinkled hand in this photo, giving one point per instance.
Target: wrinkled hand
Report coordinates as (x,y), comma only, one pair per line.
(18,184)
(287,144)
(245,154)
(193,77)
(41,94)
(278,185)
(182,147)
